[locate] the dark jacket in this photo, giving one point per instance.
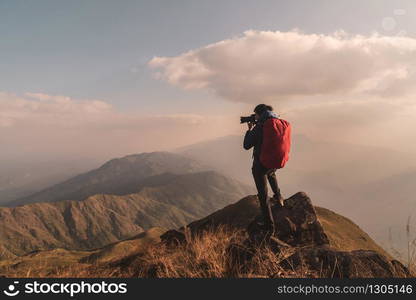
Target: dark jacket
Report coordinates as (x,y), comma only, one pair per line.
(254,137)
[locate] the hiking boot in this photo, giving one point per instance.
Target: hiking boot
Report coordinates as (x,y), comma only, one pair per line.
(278,200)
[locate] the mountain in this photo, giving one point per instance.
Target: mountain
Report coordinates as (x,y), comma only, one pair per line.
(166,200)
(118,176)
(314,242)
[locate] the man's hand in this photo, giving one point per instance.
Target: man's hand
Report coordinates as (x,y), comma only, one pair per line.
(250,125)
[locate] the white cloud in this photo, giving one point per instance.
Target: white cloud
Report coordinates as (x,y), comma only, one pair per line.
(41,124)
(41,109)
(270,66)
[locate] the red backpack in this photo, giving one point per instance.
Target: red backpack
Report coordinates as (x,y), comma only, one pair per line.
(275,146)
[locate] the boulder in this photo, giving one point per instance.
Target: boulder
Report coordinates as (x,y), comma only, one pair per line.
(296,223)
(173,237)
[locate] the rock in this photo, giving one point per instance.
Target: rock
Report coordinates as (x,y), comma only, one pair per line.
(296,223)
(173,238)
(236,215)
(327,262)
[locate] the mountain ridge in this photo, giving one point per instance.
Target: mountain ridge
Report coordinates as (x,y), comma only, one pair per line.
(116,176)
(101,219)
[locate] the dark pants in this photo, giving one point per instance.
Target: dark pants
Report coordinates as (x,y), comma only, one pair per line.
(261,176)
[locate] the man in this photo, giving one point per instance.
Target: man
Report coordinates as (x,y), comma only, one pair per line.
(261,174)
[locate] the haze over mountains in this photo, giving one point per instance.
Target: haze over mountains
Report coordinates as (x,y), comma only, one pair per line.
(309,157)
(20,178)
(118,176)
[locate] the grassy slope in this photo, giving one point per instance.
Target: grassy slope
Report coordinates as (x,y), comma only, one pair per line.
(128,258)
(345,234)
(55,262)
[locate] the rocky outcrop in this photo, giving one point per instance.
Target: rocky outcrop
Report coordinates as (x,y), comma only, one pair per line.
(311,248)
(296,223)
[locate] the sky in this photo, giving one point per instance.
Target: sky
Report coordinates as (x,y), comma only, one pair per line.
(108,78)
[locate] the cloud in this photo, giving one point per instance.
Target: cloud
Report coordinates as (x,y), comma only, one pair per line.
(41,110)
(272,66)
(354,88)
(40,124)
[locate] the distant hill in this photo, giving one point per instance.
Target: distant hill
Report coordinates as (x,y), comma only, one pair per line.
(166,200)
(118,176)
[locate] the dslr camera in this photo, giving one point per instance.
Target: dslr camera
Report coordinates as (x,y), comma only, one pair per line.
(249,119)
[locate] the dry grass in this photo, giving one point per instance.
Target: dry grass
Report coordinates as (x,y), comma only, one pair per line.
(202,256)
(205,255)
(407,256)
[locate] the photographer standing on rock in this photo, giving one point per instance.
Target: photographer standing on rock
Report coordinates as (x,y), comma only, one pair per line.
(270,137)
